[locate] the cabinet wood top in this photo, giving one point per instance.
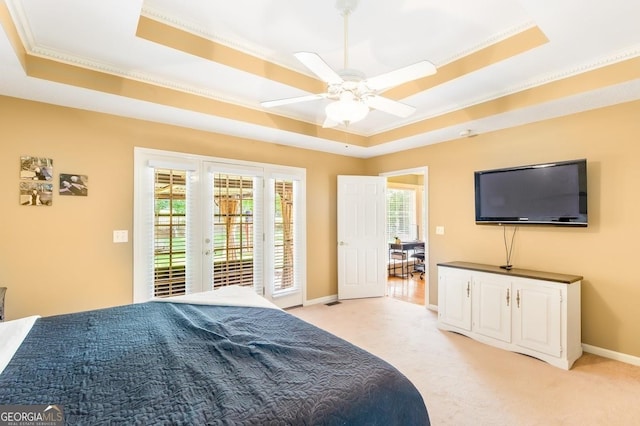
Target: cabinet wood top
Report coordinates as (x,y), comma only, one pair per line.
(515,272)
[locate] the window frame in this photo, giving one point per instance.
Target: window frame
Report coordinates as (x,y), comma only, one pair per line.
(413,214)
(145,159)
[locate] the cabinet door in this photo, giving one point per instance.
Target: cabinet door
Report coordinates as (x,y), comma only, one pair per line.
(491,306)
(454,297)
(537,316)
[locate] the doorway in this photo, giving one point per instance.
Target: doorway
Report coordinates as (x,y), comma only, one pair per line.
(407,220)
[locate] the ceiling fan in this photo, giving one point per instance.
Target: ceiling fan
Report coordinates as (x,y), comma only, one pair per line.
(353,94)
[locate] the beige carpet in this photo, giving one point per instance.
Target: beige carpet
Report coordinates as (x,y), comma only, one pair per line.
(465,382)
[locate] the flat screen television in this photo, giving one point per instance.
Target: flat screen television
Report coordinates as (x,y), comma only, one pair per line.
(537,194)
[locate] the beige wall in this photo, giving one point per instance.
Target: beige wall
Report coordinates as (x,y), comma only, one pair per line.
(605,253)
(62,259)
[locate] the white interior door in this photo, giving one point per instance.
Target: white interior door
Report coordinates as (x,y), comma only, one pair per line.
(362,245)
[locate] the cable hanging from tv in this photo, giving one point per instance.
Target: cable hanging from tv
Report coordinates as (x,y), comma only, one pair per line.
(508,247)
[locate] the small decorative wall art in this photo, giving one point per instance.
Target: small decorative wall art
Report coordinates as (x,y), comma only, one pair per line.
(36,176)
(36,168)
(74,184)
(36,194)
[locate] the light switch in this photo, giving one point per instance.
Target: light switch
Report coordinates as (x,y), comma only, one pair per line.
(439,230)
(121,236)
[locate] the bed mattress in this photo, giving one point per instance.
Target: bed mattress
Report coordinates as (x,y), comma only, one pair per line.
(185,363)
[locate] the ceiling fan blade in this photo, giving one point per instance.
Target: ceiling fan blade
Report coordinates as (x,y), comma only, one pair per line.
(402,75)
(319,67)
(286,101)
(390,106)
(328,123)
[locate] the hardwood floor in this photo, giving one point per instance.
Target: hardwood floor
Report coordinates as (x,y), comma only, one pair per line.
(410,289)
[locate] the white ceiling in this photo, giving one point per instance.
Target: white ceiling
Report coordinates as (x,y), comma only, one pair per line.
(583,35)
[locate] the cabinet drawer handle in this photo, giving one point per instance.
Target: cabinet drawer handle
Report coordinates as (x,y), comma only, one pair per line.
(518,298)
(468,290)
(508,297)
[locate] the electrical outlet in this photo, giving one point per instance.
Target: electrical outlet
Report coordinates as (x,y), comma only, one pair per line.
(121,236)
(439,230)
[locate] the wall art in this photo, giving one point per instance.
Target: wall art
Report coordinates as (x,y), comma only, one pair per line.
(74,184)
(36,168)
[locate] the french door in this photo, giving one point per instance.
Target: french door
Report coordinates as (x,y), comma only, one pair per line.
(203,224)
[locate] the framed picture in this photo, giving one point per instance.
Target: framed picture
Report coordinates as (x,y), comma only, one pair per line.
(36,194)
(74,184)
(36,168)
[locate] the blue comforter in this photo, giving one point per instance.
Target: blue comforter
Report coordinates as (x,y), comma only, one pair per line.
(166,363)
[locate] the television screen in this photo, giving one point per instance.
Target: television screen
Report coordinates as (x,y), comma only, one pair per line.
(552,193)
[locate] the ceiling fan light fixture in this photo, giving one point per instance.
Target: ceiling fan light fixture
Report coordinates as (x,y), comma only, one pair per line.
(347,109)
(352,94)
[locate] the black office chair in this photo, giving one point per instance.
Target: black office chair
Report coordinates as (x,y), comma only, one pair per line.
(418,266)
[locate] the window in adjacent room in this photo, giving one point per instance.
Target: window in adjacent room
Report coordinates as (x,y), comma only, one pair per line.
(401,214)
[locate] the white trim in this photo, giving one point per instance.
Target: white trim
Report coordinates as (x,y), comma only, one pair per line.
(162,163)
(145,161)
(433,308)
(321,300)
(424,170)
(295,296)
(142,211)
(617,356)
(229,168)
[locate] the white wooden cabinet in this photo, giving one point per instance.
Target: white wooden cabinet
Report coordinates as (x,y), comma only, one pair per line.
(454,298)
(491,305)
(531,312)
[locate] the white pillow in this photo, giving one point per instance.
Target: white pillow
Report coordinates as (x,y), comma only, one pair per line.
(12,333)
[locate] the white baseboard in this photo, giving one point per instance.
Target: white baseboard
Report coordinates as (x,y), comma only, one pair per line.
(321,300)
(334,298)
(629,359)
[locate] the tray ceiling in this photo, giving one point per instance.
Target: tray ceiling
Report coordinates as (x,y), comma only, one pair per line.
(208,64)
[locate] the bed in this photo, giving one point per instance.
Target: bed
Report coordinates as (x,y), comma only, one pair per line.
(221,357)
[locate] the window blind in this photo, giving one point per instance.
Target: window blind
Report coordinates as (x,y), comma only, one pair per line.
(170,232)
(401,214)
(284,233)
(237,230)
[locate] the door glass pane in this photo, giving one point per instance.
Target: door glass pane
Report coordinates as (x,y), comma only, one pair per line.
(233,230)
(169,233)
(283,265)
